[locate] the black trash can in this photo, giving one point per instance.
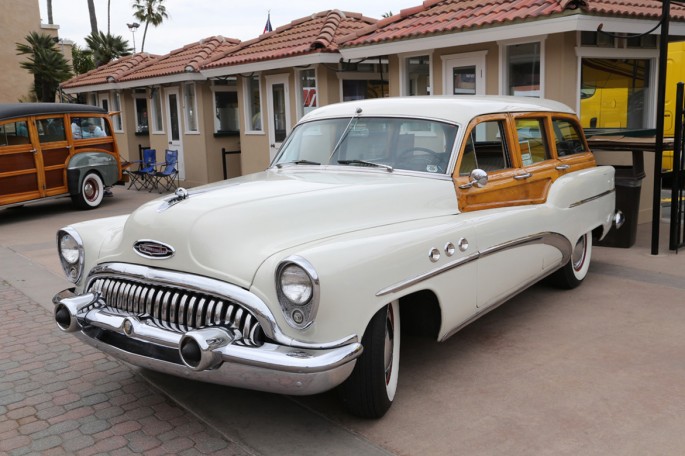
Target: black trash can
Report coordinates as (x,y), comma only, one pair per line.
(628,182)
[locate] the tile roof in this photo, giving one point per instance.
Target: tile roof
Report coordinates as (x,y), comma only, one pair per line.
(435,17)
(316,33)
(113,70)
(188,59)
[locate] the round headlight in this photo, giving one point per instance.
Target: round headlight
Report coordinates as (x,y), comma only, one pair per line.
(69,249)
(296,284)
(71,255)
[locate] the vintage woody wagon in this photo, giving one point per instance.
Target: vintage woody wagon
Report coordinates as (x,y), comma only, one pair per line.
(427,212)
(52,150)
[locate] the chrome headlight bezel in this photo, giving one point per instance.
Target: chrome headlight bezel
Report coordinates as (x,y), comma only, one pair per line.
(299,309)
(71,257)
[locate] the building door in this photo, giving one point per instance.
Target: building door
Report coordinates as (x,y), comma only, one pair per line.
(464,74)
(278,106)
(173,120)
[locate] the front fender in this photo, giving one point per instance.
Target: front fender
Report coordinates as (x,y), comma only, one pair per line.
(360,272)
(83,163)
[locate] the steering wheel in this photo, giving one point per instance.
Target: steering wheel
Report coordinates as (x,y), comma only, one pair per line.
(409,159)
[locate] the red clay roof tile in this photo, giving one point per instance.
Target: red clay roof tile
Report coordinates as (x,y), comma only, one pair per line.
(444,16)
(111,71)
(316,33)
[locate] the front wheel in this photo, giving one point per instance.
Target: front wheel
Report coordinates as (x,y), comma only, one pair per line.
(370,389)
(572,273)
(91,192)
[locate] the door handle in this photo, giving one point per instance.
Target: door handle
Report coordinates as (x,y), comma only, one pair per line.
(523,176)
(562,167)
(33,150)
(272,145)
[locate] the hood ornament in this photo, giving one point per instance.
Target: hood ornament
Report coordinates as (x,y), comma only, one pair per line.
(154,250)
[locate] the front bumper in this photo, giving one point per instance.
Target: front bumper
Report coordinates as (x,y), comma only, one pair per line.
(206,354)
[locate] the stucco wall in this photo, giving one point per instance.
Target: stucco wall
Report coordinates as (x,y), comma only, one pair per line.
(17,20)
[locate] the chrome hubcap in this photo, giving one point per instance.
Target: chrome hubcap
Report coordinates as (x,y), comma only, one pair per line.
(90,190)
(578,255)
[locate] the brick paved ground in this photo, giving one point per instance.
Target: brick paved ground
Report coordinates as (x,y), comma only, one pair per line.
(60,396)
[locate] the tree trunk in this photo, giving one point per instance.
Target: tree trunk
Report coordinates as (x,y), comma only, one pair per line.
(93,18)
(50,12)
(142,46)
(108,15)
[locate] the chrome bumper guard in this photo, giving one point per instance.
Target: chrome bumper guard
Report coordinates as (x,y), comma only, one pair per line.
(206,354)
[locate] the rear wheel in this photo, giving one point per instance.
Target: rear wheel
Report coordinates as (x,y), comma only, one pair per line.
(91,192)
(573,273)
(370,389)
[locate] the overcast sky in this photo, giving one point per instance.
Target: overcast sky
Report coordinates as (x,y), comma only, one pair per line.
(191,20)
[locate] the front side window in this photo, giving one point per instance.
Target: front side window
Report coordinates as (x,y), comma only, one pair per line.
(190,107)
(523,69)
(532,141)
(89,127)
(254,103)
(485,149)
(400,144)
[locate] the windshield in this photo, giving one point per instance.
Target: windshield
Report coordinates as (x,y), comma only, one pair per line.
(388,143)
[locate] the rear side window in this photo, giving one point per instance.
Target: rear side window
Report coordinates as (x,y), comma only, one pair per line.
(51,130)
(567,137)
(532,141)
(14,133)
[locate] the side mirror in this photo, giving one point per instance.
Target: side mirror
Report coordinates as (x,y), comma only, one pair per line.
(478,177)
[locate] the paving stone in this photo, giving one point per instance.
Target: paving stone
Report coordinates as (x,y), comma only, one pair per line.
(60,396)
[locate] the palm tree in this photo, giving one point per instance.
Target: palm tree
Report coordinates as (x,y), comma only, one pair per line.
(93,18)
(151,12)
(106,48)
(82,59)
(45,62)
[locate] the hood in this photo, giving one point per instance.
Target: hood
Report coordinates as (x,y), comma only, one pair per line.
(227,230)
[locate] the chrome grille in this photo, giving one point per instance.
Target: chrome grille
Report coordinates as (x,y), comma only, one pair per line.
(177,309)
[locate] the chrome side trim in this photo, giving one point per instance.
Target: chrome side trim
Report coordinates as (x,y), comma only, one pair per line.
(552,239)
(213,286)
(592,198)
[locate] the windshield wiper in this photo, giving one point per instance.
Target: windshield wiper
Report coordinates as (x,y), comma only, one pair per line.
(366,163)
(297,162)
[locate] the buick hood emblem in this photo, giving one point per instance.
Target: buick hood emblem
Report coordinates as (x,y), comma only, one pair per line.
(154,250)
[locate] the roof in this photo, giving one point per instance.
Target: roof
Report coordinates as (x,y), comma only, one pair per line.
(112,71)
(14,110)
(188,59)
(435,17)
(317,33)
(458,109)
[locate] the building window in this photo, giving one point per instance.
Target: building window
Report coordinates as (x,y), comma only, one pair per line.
(116,118)
(226,119)
(142,126)
(417,75)
(615,93)
(190,107)
(253,103)
(364,80)
(157,125)
(308,95)
(523,63)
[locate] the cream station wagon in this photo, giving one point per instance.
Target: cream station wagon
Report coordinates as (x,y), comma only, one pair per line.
(418,212)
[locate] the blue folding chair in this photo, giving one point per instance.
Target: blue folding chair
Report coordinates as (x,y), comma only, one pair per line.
(167,179)
(141,177)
